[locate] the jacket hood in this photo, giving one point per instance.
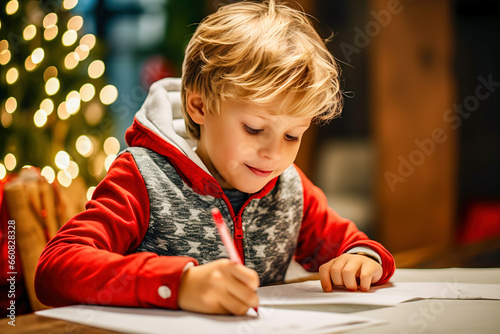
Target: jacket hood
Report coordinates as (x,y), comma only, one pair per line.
(159,124)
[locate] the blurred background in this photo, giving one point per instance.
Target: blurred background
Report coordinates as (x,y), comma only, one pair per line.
(414,158)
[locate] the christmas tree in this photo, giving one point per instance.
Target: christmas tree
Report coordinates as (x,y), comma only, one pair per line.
(53,96)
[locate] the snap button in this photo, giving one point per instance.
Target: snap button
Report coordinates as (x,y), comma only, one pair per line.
(164,292)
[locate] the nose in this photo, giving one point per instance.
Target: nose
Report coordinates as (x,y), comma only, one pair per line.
(271,148)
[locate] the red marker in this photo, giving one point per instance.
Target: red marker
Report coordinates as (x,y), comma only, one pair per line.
(227,240)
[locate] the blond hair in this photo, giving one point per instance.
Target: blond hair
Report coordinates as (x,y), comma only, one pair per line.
(261,52)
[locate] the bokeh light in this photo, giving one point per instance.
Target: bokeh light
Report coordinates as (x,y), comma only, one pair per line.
(37,55)
(84,146)
(64,178)
(111,146)
(71,60)
(11,105)
(52,86)
(108,94)
(50,72)
(29,32)
(88,40)
(40,118)
(50,33)
(62,160)
(87,92)
(12,75)
(49,173)
(47,105)
(96,69)
(109,160)
(10,161)
(62,112)
(75,23)
(69,37)
(69,4)
(3,172)
(49,20)
(90,192)
(11,7)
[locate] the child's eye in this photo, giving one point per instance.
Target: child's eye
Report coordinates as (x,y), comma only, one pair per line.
(291,138)
(252,131)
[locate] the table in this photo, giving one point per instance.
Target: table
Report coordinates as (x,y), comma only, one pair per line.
(424,316)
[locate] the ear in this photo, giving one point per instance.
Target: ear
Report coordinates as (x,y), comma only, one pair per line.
(195,106)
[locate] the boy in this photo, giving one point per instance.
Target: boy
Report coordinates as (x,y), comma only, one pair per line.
(255,76)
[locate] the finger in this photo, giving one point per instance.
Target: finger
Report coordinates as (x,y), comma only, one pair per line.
(324,276)
(247,276)
(233,304)
(336,271)
(349,274)
(245,293)
(365,278)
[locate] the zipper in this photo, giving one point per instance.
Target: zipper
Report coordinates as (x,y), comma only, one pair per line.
(238,229)
(238,237)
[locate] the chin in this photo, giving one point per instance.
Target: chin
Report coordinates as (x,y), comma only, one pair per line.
(249,189)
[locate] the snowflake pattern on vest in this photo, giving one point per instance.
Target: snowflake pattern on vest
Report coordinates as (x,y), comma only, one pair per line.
(180,222)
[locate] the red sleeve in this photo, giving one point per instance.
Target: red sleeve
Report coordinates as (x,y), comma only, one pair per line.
(85,263)
(325,235)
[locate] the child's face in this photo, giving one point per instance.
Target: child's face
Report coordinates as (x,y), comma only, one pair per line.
(246,146)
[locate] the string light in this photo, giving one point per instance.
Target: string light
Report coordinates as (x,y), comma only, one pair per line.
(40,118)
(69,4)
(62,160)
(90,192)
(71,60)
(96,69)
(4,57)
(29,32)
(62,112)
(49,20)
(84,146)
(37,55)
(87,92)
(73,169)
(111,146)
(52,86)
(75,23)
(94,113)
(50,33)
(12,75)
(108,94)
(10,161)
(6,119)
(4,52)
(47,105)
(49,72)
(88,40)
(64,178)
(69,37)
(11,105)
(82,51)
(3,173)
(73,102)
(11,7)
(109,160)
(29,64)
(48,173)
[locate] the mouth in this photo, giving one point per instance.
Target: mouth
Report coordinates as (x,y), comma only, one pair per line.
(259,172)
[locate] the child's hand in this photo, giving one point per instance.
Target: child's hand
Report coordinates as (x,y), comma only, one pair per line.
(219,287)
(347,269)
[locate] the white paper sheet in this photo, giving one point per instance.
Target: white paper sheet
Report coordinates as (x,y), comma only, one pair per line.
(270,320)
(310,292)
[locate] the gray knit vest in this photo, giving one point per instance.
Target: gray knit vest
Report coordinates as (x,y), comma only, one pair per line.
(180,221)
